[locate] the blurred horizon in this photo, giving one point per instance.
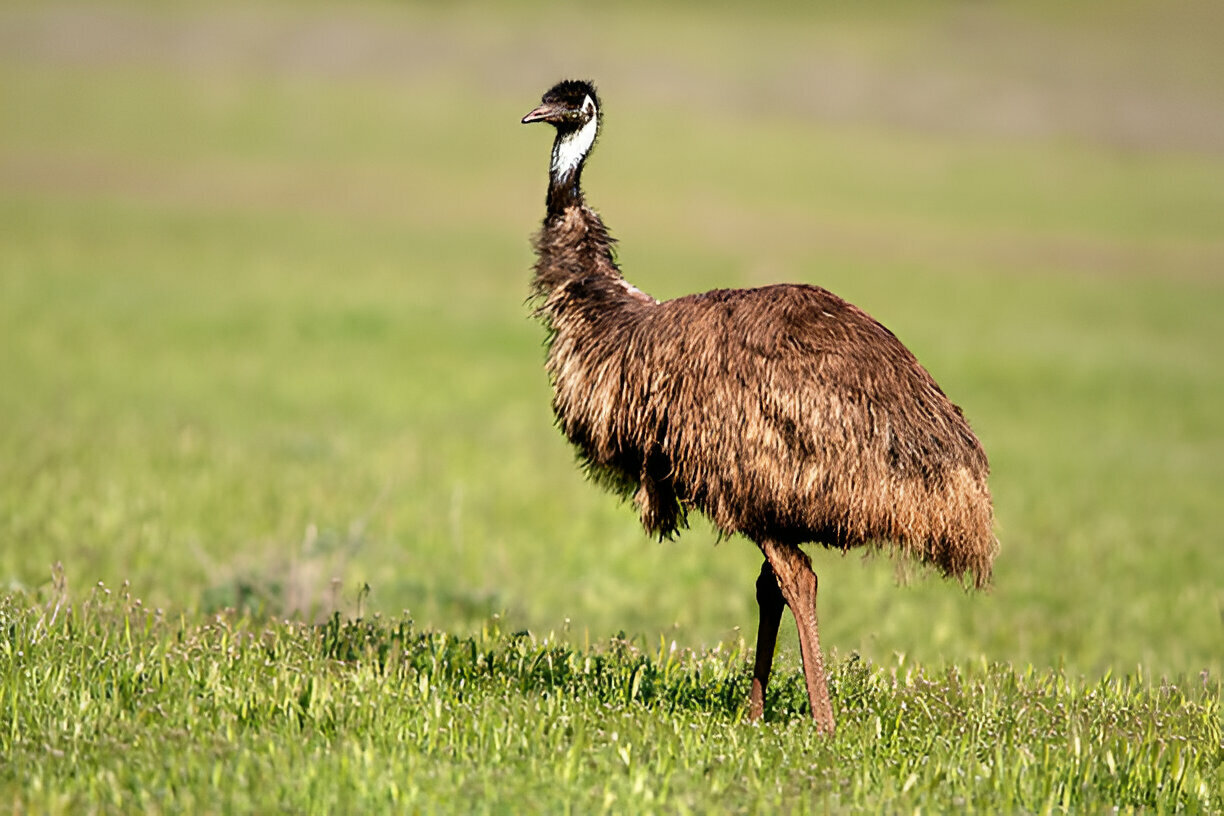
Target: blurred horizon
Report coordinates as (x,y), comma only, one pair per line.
(1140,76)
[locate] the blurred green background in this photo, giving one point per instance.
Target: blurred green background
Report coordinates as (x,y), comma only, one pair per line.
(263,337)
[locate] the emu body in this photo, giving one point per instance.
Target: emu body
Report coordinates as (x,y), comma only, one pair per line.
(783,413)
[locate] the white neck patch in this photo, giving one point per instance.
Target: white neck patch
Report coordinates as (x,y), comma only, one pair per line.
(572,148)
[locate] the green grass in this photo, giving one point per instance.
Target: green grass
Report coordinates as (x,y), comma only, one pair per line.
(263,344)
(104,700)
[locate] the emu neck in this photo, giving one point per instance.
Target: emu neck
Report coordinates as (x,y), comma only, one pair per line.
(564,190)
(575,265)
(573,245)
(569,153)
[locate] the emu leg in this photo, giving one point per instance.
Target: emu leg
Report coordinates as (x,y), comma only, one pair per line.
(771,602)
(793,569)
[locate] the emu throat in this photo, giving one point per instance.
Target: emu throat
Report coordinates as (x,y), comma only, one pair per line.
(570,150)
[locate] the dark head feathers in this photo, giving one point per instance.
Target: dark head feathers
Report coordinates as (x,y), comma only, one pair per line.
(571,92)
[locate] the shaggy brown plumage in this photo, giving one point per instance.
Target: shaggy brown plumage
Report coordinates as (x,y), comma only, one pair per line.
(783,413)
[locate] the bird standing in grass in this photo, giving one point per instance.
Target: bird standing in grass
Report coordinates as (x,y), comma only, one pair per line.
(783,413)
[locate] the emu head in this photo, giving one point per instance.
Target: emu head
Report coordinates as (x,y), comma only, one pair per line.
(572,107)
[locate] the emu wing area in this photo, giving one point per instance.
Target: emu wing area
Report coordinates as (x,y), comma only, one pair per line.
(784,413)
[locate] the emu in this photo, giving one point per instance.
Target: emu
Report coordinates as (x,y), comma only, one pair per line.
(782,413)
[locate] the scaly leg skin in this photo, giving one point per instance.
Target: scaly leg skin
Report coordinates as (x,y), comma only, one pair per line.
(771,602)
(797,582)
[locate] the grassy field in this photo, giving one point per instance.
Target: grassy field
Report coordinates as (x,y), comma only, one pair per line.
(112,707)
(264,356)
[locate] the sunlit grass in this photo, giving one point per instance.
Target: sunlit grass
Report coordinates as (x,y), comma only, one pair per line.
(101,697)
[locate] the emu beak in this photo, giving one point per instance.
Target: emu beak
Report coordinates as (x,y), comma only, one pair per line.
(543,113)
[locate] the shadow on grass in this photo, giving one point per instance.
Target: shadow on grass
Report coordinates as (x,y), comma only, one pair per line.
(715,681)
